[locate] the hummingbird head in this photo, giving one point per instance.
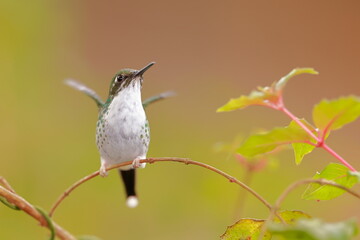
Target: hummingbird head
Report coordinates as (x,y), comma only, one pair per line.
(126,78)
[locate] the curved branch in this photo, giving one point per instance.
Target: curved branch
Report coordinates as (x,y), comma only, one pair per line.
(307,181)
(296,184)
(153,160)
(293,186)
(25,206)
(336,155)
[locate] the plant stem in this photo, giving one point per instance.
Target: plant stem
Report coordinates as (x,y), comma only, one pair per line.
(70,189)
(295,119)
(332,152)
(25,206)
(153,160)
(320,141)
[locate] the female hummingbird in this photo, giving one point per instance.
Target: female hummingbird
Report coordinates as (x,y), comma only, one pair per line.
(122,130)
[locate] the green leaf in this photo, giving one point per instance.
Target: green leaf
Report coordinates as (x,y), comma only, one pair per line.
(245,229)
(255,98)
(334,114)
(301,149)
(290,217)
(315,229)
(264,96)
(279,86)
(248,228)
(337,173)
(266,142)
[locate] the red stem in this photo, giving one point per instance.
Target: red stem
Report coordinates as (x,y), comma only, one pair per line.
(294,118)
(320,141)
(343,161)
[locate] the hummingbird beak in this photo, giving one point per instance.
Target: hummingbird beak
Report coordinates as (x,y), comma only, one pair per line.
(144,69)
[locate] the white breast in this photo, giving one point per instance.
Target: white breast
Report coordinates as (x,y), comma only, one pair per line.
(122,134)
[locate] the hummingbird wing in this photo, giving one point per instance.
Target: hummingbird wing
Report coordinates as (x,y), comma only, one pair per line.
(156,98)
(88,91)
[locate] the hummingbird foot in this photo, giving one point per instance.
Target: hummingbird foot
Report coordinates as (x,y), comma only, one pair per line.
(102,169)
(136,163)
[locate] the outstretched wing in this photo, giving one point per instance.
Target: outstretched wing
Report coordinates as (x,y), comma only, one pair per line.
(152,99)
(88,91)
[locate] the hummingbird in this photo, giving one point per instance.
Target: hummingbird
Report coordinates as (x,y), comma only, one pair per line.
(122,129)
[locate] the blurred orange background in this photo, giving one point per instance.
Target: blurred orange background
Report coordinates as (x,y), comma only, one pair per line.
(207,52)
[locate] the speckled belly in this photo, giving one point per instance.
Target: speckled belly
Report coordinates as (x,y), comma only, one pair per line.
(122,134)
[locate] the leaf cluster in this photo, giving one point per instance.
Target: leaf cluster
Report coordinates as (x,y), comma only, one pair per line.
(303,137)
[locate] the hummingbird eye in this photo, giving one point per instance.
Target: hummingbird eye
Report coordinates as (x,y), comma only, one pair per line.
(119,78)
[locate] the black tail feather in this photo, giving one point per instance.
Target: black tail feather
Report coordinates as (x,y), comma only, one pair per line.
(128,178)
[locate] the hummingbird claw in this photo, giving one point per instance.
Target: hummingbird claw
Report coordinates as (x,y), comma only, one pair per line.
(102,169)
(103,172)
(136,163)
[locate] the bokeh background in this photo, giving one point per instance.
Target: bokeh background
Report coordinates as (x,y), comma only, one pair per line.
(207,52)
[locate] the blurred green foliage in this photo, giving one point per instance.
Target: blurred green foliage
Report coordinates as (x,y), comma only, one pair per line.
(252,228)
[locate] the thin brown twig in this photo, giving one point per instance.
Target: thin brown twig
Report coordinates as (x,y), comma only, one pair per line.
(307,181)
(25,206)
(153,160)
(6,184)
